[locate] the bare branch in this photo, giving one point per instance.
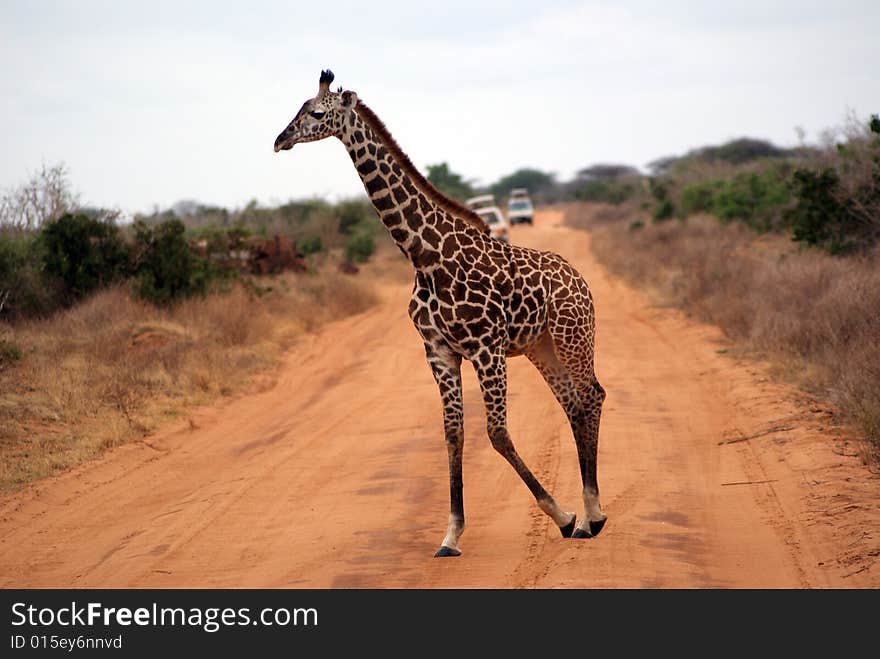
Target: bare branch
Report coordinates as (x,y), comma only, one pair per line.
(45,196)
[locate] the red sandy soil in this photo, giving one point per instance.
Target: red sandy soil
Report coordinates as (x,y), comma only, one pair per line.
(336,475)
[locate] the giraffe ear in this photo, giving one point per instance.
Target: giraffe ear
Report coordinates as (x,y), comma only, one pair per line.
(348,99)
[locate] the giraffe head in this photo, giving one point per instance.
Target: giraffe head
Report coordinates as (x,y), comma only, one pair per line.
(319,117)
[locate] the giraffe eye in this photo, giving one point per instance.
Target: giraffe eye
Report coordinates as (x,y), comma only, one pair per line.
(317,114)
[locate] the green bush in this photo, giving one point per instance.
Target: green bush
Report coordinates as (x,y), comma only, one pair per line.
(838,206)
(83,253)
(217,242)
(819,219)
(292,212)
(607,191)
(665,211)
(658,189)
(753,198)
(310,245)
(352,212)
(832,201)
(9,353)
(167,270)
(360,246)
(237,235)
(24,293)
(698,197)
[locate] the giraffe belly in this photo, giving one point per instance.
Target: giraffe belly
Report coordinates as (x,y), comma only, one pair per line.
(467,338)
(494,332)
(522,338)
(469,324)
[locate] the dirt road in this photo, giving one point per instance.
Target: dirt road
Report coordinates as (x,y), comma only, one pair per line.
(336,476)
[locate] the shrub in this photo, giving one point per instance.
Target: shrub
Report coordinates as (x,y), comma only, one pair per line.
(352,212)
(607,191)
(9,353)
(753,198)
(698,197)
(167,270)
(819,219)
(756,199)
(238,235)
(83,254)
(838,205)
(360,246)
(23,291)
(291,212)
(310,245)
(664,211)
(636,225)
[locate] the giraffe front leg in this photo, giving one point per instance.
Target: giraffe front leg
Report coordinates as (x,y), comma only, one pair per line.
(446,367)
(454,446)
(492,373)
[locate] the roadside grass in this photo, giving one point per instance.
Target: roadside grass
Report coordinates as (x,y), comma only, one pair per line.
(816,317)
(113,368)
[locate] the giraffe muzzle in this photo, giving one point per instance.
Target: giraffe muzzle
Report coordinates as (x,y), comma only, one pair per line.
(285,141)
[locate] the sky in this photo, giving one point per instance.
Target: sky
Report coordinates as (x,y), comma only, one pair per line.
(149,103)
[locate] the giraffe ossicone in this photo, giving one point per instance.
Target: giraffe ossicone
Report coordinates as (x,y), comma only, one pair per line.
(474,298)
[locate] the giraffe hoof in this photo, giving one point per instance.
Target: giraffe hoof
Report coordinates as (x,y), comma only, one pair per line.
(445,551)
(595,527)
(568,529)
(581,534)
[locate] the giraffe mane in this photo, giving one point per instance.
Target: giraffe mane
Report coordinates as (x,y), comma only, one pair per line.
(451,205)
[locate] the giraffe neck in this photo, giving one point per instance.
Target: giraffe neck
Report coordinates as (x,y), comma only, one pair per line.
(419,218)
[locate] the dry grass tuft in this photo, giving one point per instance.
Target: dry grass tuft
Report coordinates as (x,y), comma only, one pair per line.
(114,368)
(814,315)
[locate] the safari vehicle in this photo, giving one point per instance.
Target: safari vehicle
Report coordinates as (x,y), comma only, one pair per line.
(487,209)
(519,206)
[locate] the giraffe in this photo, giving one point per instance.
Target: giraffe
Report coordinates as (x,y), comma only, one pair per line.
(474,299)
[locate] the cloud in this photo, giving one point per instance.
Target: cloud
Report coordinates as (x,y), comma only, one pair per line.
(153,103)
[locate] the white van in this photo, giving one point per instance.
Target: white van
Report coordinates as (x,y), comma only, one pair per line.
(519,206)
(486,208)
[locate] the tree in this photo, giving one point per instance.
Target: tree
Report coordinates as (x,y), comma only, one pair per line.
(448,182)
(604,172)
(44,197)
(663,165)
(744,149)
(533,180)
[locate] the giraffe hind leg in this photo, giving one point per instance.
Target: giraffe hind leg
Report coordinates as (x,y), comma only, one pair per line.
(567,366)
(594,519)
(492,373)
